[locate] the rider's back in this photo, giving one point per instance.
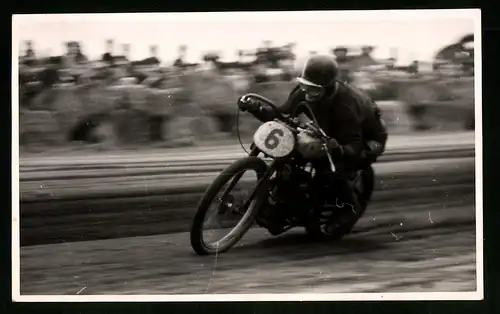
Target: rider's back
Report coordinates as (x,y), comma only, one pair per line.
(348,115)
(370,115)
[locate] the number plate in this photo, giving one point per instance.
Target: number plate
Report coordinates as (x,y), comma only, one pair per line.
(274,139)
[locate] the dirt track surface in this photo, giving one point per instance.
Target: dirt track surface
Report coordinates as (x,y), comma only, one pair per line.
(167,202)
(420,238)
(418,249)
(417,236)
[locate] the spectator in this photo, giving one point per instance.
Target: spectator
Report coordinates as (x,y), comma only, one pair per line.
(179,62)
(121,63)
(74,54)
(340,54)
(391,63)
(107,57)
(413,68)
(126,52)
(29,59)
(342,58)
(153,60)
(49,76)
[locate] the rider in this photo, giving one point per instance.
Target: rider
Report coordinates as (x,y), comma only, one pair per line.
(348,116)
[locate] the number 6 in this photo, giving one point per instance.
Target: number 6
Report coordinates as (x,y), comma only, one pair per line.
(272,141)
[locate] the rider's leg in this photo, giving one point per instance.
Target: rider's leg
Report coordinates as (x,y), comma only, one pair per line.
(339,198)
(368,181)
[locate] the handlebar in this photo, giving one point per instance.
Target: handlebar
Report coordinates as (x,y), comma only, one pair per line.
(294,122)
(247,97)
(280,116)
(311,126)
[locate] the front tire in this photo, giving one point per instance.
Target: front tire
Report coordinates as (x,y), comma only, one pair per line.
(198,244)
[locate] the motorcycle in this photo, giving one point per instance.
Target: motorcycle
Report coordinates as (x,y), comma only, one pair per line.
(286,194)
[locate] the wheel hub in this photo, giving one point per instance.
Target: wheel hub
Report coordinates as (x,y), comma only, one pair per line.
(228,206)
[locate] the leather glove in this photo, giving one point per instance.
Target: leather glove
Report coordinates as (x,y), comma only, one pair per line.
(374,148)
(313,150)
(334,147)
(248,106)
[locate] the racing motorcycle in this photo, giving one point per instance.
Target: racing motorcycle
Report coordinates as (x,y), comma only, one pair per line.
(285,194)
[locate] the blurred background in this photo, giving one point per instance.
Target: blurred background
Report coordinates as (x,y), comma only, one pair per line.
(167,84)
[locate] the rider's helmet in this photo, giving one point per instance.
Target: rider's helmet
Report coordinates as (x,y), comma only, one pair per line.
(319,75)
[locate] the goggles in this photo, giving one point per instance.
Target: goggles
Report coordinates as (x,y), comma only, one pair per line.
(310,88)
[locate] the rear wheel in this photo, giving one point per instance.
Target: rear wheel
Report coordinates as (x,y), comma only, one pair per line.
(336,223)
(333,225)
(239,216)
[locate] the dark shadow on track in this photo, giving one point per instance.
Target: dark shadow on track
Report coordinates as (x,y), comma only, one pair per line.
(299,245)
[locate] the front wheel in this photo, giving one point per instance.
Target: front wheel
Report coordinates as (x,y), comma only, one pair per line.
(228,206)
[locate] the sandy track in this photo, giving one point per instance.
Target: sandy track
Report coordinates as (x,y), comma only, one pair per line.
(150,205)
(418,235)
(405,250)
(418,238)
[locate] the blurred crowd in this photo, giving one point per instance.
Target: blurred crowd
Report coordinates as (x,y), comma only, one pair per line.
(267,63)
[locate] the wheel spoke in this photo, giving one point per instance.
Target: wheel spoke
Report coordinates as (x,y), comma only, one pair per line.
(229,211)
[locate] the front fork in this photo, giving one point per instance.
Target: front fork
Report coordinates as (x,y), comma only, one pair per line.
(254,151)
(325,147)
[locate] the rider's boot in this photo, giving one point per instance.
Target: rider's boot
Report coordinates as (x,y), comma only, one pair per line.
(342,203)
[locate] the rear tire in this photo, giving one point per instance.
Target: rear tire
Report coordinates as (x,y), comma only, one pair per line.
(244,164)
(313,229)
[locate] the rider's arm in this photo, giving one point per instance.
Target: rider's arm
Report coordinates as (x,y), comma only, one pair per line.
(378,134)
(265,113)
(350,133)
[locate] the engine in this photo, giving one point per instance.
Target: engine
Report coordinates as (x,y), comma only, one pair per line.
(288,198)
